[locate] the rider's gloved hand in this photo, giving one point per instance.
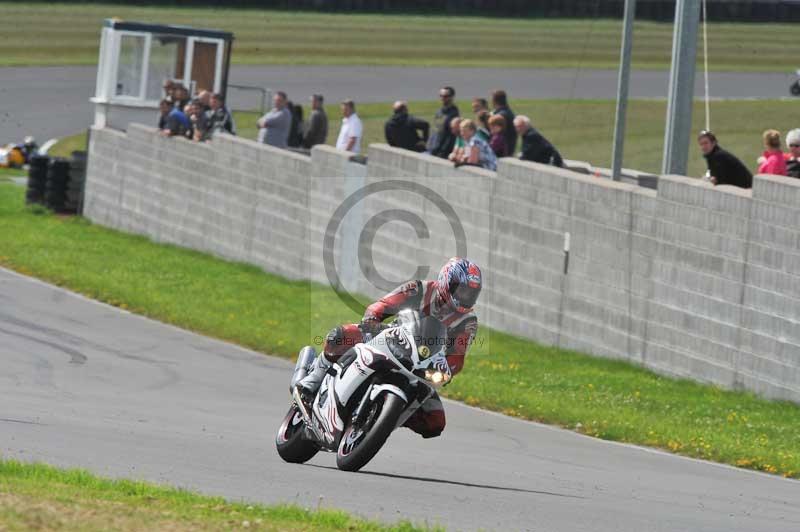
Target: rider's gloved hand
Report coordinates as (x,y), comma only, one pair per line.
(371,326)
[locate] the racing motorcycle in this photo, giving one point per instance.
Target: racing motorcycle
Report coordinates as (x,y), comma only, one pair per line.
(372,389)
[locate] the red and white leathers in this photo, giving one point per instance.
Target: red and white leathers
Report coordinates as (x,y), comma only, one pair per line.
(429,420)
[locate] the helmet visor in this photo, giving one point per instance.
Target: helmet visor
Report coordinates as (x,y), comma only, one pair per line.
(466,296)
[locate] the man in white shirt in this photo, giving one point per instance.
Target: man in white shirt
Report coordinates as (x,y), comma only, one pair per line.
(352,130)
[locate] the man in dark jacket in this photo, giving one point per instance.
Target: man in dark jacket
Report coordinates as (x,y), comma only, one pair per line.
(403,130)
(535,147)
(443,141)
(723,167)
(317,130)
(219,117)
(500,104)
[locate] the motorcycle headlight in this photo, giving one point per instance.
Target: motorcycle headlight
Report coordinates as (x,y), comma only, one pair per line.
(437,378)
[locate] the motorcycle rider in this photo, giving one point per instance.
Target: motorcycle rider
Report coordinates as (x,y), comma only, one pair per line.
(450,298)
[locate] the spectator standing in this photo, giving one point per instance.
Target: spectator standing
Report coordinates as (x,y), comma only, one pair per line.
(535,147)
(164,107)
(176,123)
(723,167)
(406,131)
(442,142)
(772,161)
(477,151)
(169,89)
(497,126)
(296,130)
(478,105)
(483,125)
(199,120)
(317,130)
(219,118)
(351,131)
(500,104)
(204,97)
(793,157)
(180,96)
(275,125)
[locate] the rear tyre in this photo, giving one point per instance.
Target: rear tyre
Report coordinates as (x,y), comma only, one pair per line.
(360,443)
(795,88)
(291,442)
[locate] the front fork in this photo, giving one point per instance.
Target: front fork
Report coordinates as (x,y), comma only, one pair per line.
(412,403)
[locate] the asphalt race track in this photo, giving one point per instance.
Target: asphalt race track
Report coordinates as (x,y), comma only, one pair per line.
(52,102)
(84,384)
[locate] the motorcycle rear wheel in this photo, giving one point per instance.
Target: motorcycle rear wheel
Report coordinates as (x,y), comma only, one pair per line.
(291,442)
(360,444)
(795,88)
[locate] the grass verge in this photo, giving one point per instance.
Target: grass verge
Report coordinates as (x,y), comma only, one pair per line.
(40,497)
(69,35)
(602,398)
(7,173)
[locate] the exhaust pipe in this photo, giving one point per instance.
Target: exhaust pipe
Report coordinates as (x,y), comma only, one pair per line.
(304,360)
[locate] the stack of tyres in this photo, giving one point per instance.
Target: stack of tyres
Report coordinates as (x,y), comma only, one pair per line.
(55,193)
(75,183)
(37,179)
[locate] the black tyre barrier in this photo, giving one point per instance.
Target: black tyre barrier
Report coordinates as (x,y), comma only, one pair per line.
(76,182)
(56,188)
(37,179)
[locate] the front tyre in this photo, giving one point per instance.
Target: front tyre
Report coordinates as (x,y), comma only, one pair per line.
(291,442)
(795,88)
(360,443)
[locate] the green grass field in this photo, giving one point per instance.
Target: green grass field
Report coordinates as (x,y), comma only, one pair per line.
(583,130)
(603,398)
(40,497)
(61,34)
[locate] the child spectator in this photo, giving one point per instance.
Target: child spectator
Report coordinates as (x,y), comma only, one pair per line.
(793,157)
(483,125)
(458,143)
(477,151)
(497,124)
(772,161)
(723,167)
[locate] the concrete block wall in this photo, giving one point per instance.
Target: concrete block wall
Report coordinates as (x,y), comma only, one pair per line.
(690,280)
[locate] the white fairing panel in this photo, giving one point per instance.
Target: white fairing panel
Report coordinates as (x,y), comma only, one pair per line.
(325,411)
(357,372)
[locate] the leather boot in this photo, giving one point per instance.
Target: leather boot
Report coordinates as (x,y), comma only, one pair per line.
(309,384)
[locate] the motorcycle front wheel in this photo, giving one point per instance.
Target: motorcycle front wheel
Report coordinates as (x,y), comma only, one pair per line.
(795,88)
(291,442)
(360,443)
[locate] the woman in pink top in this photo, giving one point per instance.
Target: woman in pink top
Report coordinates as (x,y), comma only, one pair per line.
(773,161)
